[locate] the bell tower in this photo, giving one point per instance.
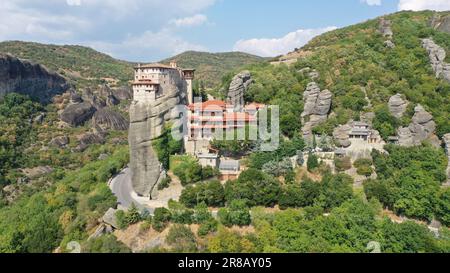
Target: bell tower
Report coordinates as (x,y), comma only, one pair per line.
(188,75)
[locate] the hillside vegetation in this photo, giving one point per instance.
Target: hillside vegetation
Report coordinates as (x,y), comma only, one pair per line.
(81,64)
(211,67)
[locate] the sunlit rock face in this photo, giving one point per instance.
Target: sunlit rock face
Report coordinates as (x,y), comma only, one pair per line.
(421,128)
(29,79)
(316,109)
(397,106)
(147,121)
(437,56)
(239,85)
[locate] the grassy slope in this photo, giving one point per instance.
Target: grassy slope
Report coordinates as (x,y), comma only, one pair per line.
(81,64)
(211,67)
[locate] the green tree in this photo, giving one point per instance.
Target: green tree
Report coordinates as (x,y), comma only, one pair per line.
(254,186)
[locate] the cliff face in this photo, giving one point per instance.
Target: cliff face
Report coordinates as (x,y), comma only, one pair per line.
(147,121)
(29,79)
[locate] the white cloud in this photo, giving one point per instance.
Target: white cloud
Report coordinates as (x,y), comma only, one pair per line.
(439,5)
(278,46)
(165,42)
(372,2)
(73,2)
(112,23)
(196,20)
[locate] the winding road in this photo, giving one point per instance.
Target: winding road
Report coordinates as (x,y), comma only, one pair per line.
(121,187)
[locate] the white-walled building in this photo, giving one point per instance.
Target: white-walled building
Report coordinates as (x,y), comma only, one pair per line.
(150,80)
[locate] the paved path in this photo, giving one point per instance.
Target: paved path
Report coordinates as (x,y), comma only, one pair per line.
(121,187)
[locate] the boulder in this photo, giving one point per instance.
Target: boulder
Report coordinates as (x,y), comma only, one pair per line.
(40,118)
(421,128)
(238,86)
(441,22)
(33,173)
(123,93)
(389,44)
(341,135)
(109,218)
(397,106)
(60,141)
(78,114)
(109,119)
(29,79)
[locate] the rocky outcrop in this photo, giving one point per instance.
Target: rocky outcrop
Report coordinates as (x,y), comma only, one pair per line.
(37,172)
(311,73)
(446,139)
(147,121)
(78,113)
(437,57)
(385,28)
(238,86)
(59,142)
(109,119)
(421,128)
(123,93)
(29,79)
(95,136)
(341,136)
(386,31)
(440,22)
(316,108)
(397,106)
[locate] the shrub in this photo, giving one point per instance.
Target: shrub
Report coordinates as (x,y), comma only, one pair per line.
(165,183)
(211,193)
(342,164)
(254,186)
(207,227)
(161,218)
(181,239)
(237,214)
(312,163)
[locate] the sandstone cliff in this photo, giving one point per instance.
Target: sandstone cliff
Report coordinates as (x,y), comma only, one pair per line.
(29,79)
(238,87)
(147,121)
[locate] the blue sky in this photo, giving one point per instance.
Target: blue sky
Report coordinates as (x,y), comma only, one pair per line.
(150,30)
